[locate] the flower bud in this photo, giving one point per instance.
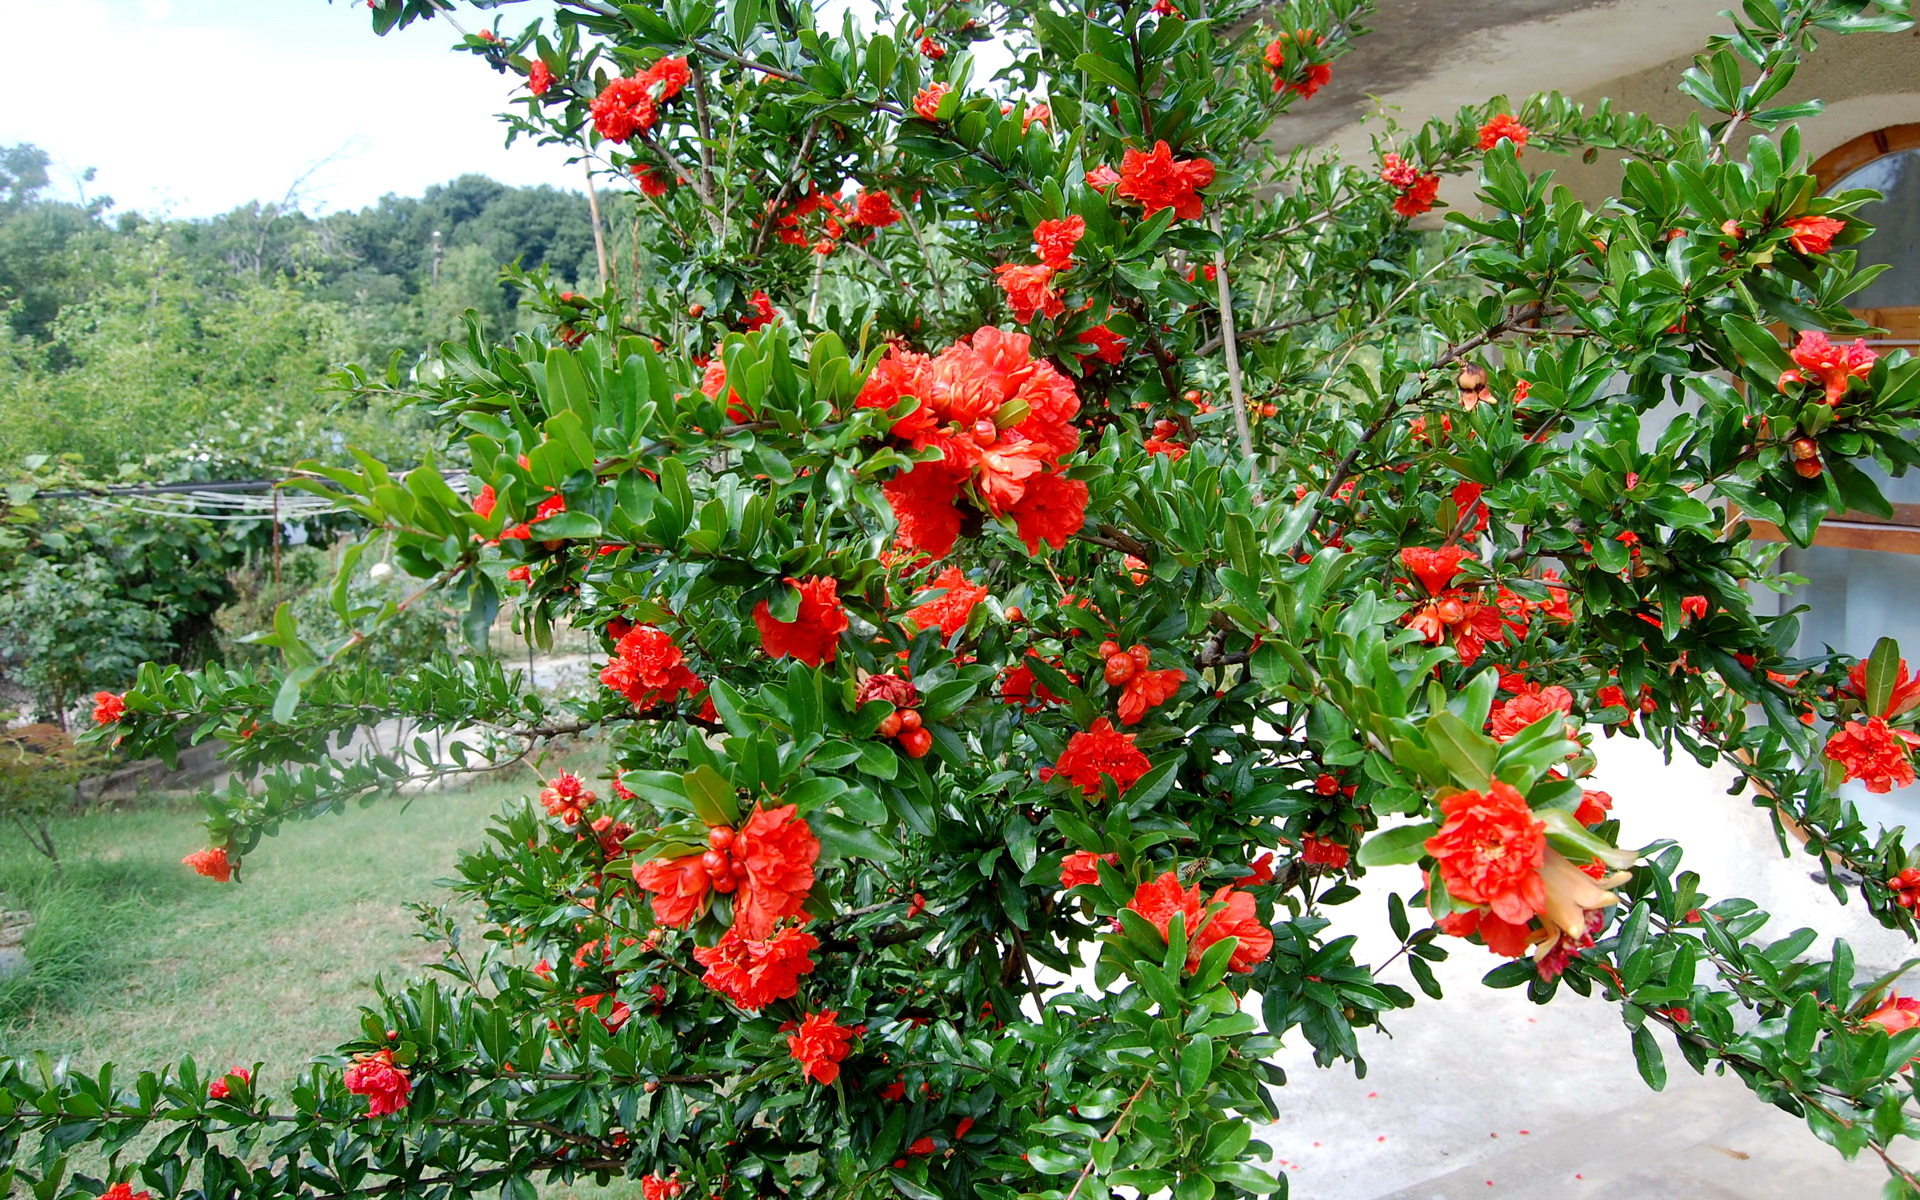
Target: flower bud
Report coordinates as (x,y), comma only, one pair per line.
(720,837)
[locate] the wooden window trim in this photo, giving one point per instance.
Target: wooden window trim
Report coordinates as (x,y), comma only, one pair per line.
(1843,160)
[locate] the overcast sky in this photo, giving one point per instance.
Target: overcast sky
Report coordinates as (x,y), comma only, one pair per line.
(190,107)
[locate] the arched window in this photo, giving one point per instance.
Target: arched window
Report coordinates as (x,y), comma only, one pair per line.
(1888,161)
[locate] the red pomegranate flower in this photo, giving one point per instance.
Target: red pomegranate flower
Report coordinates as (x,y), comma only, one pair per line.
(1523,710)
(220,1089)
(649,669)
(753,974)
(1157,180)
(875,209)
(923,502)
(1099,754)
(108,708)
(890,688)
(385,1086)
(813,636)
(1108,346)
(926,105)
(1435,569)
(1051,511)
(1594,807)
(539,78)
(567,798)
(124,1191)
(1318,851)
(1056,239)
(819,1045)
(1160,900)
(1029,291)
(1082,867)
(1503,126)
(1419,198)
(779,850)
(1813,235)
(1145,689)
(1833,366)
(212,862)
(1905,696)
(950,610)
(960,401)
(1897,1015)
(1875,753)
(679,888)
(1489,850)
(1292,67)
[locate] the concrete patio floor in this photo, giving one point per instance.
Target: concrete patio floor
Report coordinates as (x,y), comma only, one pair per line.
(1485,1094)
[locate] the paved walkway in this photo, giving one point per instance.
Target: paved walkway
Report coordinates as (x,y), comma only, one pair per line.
(1484,1094)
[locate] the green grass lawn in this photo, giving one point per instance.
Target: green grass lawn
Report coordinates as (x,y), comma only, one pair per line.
(139,961)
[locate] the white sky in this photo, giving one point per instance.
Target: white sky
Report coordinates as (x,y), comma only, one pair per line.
(190,107)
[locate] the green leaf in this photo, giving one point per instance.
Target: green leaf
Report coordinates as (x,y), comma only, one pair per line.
(712,796)
(1803,1027)
(1390,847)
(1647,1056)
(1883,671)
(841,838)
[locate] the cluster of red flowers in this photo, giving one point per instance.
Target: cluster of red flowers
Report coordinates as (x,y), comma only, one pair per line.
(813,636)
(1417,191)
(649,669)
(539,77)
(220,1089)
(1161,900)
(1029,287)
(1503,126)
(1835,367)
(819,1045)
(1875,753)
(630,105)
(385,1085)
(1096,755)
(1141,687)
(768,863)
(904,721)
(1813,235)
(567,798)
(1290,60)
(212,862)
(1083,867)
(1002,420)
(1157,180)
(487,501)
(124,1191)
(108,708)
(791,226)
(1450,613)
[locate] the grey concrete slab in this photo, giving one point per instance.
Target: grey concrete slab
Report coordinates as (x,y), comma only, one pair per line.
(1486,1094)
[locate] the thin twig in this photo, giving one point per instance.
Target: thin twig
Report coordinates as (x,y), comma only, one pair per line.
(1232,345)
(1111,1130)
